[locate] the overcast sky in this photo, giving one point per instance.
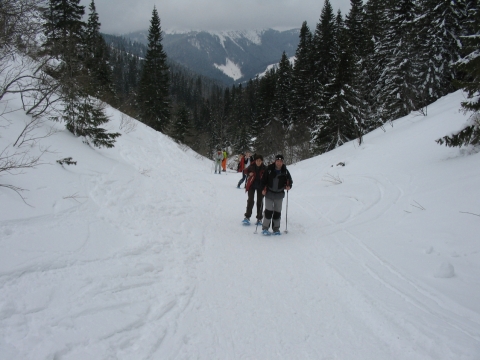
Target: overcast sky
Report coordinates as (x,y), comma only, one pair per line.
(123,16)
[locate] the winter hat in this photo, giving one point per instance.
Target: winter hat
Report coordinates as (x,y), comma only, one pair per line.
(258,156)
(279,157)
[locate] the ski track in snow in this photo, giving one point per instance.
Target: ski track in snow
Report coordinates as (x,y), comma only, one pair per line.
(379,269)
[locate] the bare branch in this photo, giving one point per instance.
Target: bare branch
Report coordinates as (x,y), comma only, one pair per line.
(465,212)
(18,191)
(75,196)
(27,136)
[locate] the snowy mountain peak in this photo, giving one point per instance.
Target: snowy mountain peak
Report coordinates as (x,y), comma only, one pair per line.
(206,52)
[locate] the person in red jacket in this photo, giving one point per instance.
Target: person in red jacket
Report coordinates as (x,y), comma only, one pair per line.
(254,183)
(247,161)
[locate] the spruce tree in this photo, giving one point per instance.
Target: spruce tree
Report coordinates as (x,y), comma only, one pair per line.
(399,88)
(344,108)
(302,78)
(181,125)
(65,33)
(282,102)
(469,66)
(153,96)
(324,59)
(84,116)
(97,58)
(64,30)
(354,23)
(373,62)
(324,53)
(439,29)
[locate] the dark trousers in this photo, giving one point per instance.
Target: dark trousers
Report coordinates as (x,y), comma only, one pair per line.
(251,202)
(242,179)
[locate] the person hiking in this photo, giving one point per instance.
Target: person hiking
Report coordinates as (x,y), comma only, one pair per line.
(218,158)
(247,160)
(241,164)
(276,179)
(254,183)
(224,161)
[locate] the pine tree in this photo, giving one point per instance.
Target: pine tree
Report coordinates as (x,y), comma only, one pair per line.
(97,57)
(84,116)
(354,23)
(257,124)
(181,125)
(64,30)
(373,62)
(302,74)
(153,97)
(65,33)
(282,102)
(469,66)
(324,59)
(439,29)
(324,53)
(344,109)
(399,89)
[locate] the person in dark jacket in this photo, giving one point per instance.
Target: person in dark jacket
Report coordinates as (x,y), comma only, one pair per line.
(254,183)
(276,179)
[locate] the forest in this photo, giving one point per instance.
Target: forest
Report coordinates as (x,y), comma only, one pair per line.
(351,74)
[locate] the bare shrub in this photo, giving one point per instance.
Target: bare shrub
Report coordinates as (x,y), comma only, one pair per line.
(128,124)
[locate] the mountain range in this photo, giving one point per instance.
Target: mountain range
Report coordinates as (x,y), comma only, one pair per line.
(228,56)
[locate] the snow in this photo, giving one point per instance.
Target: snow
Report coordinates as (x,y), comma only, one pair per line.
(275,66)
(253,36)
(230,69)
(138,252)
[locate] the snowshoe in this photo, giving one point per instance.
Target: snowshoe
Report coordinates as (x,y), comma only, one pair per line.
(259,222)
(266,232)
(246,221)
(277,233)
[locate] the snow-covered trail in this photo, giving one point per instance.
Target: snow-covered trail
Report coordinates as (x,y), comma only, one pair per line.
(317,292)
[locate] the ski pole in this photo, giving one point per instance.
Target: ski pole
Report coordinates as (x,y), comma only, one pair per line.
(286,216)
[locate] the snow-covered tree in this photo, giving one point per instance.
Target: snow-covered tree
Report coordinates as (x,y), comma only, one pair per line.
(302,78)
(373,62)
(324,57)
(440,26)
(344,109)
(282,102)
(153,97)
(469,66)
(398,89)
(84,117)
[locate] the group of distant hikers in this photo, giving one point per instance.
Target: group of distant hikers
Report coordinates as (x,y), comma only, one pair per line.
(269,182)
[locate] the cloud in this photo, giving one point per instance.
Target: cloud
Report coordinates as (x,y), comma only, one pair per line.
(123,16)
